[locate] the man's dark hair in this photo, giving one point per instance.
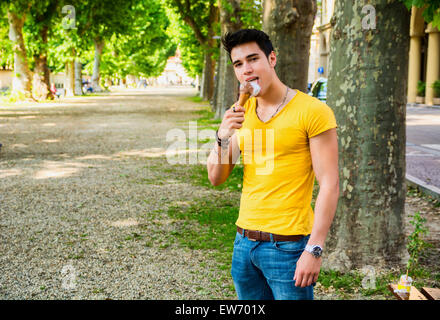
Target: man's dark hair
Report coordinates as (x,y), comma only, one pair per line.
(231,40)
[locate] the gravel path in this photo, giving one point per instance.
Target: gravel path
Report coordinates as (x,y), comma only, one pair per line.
(77,219)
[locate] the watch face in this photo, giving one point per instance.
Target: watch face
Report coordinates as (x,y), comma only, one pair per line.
(317,251)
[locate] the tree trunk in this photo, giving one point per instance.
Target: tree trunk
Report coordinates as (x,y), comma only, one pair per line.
(202,82)
(289,25)
(22,82)
(227,85)
(41,81)
(78,77)
(227,91)
(367,90)
(208,75)
(40,86)
(69,83)
(99,45)
(216,85)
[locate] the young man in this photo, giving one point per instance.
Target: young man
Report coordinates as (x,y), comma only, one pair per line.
(286,138)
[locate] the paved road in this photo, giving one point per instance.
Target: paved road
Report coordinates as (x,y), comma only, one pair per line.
(423,144)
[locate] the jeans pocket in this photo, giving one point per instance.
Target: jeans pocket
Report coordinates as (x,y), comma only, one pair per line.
(238,238)
(289,246)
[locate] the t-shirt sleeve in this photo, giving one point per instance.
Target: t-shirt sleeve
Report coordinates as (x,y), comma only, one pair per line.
(319,118)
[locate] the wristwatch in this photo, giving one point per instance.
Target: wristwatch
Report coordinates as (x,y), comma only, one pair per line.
(315,250)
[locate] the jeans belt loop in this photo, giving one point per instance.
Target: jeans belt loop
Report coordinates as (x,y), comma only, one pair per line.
(271,238)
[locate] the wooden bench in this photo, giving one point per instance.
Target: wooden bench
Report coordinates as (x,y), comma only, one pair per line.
(431,293)
(414,294)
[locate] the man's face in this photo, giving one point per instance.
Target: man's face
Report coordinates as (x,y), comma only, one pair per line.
(251,64)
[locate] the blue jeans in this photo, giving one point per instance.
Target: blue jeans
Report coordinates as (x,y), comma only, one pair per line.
(264,270)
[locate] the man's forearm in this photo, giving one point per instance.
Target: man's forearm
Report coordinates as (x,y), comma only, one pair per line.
(219,164)
(325,208)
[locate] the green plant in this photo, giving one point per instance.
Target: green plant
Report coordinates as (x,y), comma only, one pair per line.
(416,245)
(5,91)
(436,87)
(421,87)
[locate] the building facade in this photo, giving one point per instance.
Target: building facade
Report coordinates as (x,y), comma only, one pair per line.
(174,73)
(326,13)
(424,57)
(424,53)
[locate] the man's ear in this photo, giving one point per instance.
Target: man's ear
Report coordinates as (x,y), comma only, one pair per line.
(272,59)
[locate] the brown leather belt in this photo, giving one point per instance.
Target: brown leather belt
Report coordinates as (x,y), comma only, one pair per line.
(255,235)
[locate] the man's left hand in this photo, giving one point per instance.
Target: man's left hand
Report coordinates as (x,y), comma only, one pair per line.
(307,270)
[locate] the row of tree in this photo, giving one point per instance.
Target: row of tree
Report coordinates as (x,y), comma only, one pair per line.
(39,36)
(120,37)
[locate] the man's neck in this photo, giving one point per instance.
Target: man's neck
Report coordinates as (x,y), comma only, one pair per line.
(273,95)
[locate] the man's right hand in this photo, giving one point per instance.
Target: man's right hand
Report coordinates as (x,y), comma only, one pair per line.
(231,121)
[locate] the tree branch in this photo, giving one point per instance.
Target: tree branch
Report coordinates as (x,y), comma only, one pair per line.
(187,16)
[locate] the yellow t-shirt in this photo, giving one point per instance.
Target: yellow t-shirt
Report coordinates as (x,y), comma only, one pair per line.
(278,175)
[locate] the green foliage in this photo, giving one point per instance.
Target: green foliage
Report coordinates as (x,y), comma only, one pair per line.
(139,35)
(252,14)
(431,13)
(104,18)
(144,47)
(416,245)
(193,29)
(351,282)
(421,86)
(436,87)
(40,18)
(6,53)
(190,49)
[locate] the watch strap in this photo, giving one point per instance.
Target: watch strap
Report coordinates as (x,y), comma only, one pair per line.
(315,250)
(220,142)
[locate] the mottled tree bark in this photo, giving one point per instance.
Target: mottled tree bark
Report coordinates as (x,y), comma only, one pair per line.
(78,77)
(216,85)
(22,81)
(40,86)
(202,82)
(227,85)
(69,82)
(99,46)
(208,75)
(42,74)
(210,44)
(367,90)
(289,25)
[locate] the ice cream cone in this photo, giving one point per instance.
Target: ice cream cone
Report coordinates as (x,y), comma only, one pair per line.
(243,98)
(247,90)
